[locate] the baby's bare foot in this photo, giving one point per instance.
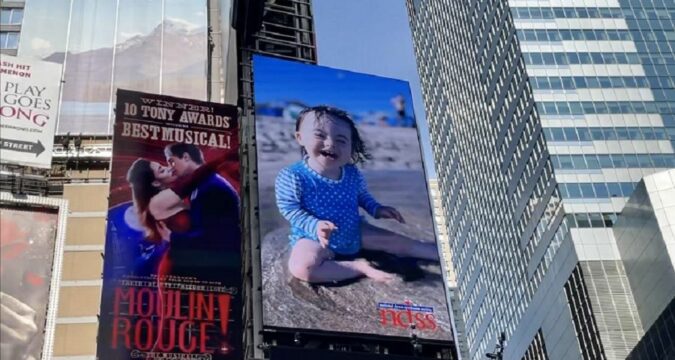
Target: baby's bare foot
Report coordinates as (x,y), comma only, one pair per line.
(373,273)
(380,276)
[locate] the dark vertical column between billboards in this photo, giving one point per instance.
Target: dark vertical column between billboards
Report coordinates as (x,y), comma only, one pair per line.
(346,230)
(172,269)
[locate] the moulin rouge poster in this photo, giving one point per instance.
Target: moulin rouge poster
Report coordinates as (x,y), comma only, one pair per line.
(172,267)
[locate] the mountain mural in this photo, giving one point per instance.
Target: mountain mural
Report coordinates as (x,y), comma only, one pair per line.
(137,62)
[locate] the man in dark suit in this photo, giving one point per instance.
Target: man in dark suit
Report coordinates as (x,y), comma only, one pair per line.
(212,241)
(209,248)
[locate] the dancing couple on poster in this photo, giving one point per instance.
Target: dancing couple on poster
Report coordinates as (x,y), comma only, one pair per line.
(187,204)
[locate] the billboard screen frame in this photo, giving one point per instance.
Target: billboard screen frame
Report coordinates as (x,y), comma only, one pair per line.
(257,229)
(30,202)
(196,144)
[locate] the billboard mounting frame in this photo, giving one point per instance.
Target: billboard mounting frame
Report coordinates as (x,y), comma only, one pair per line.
(61,206)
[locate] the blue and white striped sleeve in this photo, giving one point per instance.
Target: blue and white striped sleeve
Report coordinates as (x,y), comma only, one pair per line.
(366,200)
(289,201)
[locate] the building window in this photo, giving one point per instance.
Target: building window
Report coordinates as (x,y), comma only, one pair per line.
(537,348)
(591,220)
(11,16)
(605,133)
(582,317)
(596,190)
(566,12)
(9,40)
(609,161)
(657,342)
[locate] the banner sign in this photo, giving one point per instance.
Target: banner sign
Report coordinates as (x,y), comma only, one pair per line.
(172,269)
(135,48)
(347,235)
(29,97)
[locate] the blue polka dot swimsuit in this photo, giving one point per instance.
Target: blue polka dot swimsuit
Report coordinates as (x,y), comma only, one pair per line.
(305,197)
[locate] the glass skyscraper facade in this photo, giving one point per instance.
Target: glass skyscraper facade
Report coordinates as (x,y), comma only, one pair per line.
(448,268)
(494,170)
(602,74)
(515,92)
(645,235)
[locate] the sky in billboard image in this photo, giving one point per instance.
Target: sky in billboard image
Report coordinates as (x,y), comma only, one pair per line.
(356,93)
(376,40)
(326,264)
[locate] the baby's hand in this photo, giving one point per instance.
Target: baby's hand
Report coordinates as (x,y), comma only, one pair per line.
(388,212)
(323,230)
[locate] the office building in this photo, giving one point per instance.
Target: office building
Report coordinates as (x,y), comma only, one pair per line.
(493,167)
(446,257)
(11,16)
(442,234)
(609,67)
(593,78)
(645,235)
(104,45)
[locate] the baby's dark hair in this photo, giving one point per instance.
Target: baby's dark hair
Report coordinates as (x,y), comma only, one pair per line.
(359,152)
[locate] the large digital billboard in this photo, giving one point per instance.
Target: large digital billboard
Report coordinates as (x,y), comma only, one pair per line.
(172,268)
(31,239)
(347,236)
